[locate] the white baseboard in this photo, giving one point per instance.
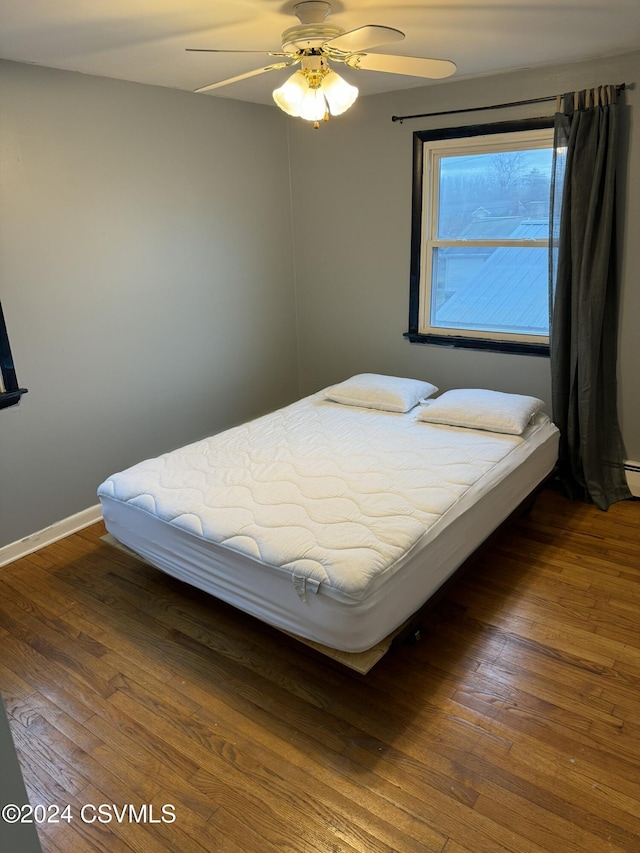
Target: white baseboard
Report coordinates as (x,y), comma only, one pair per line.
(632,470)
(50,534)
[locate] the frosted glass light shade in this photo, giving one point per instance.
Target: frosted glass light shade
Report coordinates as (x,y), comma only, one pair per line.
(340,95)
(289,96)
(313,106)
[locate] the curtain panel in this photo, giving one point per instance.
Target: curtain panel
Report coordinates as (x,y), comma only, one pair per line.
(584,297)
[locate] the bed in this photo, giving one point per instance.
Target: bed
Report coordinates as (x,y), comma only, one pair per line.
(337,517)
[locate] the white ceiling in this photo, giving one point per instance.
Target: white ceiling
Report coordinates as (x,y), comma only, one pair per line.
(145,40)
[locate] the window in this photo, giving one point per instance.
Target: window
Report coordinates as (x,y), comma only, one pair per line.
(480,236)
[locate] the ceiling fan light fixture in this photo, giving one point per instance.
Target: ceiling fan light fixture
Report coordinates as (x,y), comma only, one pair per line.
(301,96)
(313,92)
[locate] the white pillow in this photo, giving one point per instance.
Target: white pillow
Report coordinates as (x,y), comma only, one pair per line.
(375,391)
(477,408)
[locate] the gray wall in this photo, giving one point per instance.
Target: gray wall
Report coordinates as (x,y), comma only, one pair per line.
(146,276)
(352,214)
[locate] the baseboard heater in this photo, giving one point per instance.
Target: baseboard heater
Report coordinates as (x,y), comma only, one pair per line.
(632,470)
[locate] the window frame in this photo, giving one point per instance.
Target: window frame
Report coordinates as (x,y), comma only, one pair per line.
(474,339)
(10,391)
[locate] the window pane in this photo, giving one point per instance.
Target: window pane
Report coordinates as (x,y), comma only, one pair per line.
(487,196)
(501,289)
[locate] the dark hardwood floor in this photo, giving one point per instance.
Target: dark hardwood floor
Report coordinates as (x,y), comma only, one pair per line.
(513,726)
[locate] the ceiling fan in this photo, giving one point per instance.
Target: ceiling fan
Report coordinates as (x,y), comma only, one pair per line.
(314,91)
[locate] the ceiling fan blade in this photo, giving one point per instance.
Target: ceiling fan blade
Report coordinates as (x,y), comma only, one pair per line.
(413,66)
(364,38)
(245,76)
(216,50)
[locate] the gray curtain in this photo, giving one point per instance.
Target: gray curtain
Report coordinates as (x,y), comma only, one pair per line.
(584,297)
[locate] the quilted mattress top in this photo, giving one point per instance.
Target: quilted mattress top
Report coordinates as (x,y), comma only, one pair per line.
(333,494)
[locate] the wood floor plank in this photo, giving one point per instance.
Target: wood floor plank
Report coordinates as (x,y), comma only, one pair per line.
(52,681)
(225,826)
(513,727)
(540,825)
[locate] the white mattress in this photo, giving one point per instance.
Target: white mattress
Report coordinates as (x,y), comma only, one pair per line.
(329,521)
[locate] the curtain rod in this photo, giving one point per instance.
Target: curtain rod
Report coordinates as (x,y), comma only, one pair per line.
(619,89)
